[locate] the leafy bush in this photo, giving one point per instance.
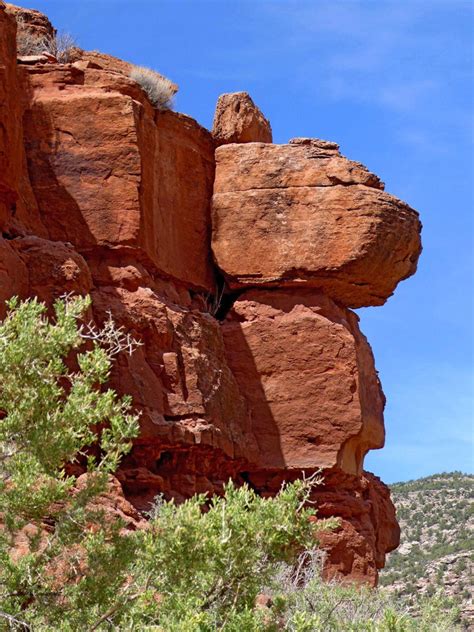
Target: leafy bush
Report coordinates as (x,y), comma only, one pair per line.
(311,605)
(67,565)
(159,89)
(50,414)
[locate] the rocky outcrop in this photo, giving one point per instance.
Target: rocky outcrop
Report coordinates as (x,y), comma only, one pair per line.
(307,216)
(30,21)
(238,120)
(368,527)
(252,369)
(117,183)
(309,377)
(18,207)
(13,275)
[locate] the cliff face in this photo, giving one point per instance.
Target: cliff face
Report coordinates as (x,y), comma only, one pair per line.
(235,262)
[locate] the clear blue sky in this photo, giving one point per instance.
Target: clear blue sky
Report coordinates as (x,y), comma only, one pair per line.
(391,82)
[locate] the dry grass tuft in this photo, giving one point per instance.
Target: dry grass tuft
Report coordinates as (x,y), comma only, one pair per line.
(159,89)
(60,45)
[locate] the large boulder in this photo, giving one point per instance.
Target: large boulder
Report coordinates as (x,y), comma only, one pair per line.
(303,215)
(308,376)
(238,120)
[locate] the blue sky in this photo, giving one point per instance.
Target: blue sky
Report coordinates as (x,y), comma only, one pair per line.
(391,82)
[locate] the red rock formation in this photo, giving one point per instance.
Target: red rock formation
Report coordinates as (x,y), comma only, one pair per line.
(101,194)
(307,216)
(309,377)
(13,274)
(52,268)
(368,526)
(116,183)
(18,208)
(31,21)
(10,116)
(238,120)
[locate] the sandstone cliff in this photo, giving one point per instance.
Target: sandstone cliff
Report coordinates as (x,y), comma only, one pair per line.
(234,260)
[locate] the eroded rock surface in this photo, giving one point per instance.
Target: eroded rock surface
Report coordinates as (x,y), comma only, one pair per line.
(259,378)
(11,140)
(33,22)
(368,527)
(179,377)
(306,216)
(238,120)
(309,377)
(118,181)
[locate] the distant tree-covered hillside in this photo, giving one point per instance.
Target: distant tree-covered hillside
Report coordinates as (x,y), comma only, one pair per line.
(437,539)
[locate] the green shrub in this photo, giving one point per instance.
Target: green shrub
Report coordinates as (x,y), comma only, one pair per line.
(310,605)
(197,567)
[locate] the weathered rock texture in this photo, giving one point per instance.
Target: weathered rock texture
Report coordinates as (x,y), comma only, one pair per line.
(10,117)
(117,182)
(31,21)
(308,374)
(238,120)
(259,379)
(306,216)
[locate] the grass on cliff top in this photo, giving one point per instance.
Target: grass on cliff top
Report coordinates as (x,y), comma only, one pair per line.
(30,42)
(159,90)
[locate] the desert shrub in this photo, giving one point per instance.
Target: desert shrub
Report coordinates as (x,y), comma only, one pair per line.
(210,566)
(461,564)
(197,567)
(50,416)
(62,46)
(310,605)
(79,569)
(159,89)
(29,42)
(49,410)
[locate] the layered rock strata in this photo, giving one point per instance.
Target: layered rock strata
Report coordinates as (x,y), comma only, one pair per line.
(235,265)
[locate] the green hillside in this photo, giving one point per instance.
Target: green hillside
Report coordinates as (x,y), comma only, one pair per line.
(437,540)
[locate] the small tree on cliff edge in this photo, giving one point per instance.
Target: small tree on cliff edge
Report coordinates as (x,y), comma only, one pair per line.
(65,564)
